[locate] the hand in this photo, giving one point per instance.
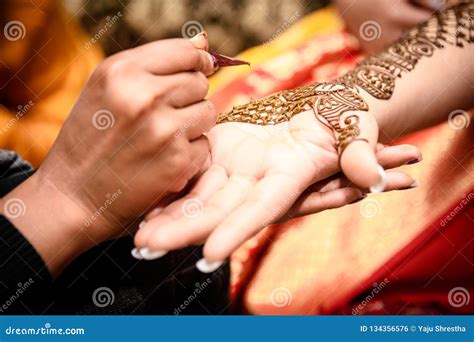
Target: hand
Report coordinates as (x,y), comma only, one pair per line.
(134,136)
(259,173)
(379,23)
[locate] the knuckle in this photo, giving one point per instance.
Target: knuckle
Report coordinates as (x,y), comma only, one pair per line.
(113,69)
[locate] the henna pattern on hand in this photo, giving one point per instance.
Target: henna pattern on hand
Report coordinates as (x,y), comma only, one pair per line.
(376,75)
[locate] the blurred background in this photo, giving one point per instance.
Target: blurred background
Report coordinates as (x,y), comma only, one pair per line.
(233,25)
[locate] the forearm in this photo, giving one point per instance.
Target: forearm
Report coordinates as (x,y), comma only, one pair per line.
(421,78)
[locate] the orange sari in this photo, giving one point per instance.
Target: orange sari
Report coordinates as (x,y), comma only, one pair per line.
(400,252)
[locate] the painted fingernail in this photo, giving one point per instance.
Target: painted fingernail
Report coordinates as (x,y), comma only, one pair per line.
(207,267)
(359,199)
(136,254)
(222,61)
(380,186)
(141,224)
(147,254)
(414,161)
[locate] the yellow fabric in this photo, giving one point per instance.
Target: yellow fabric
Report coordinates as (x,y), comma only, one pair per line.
(315,24)
(46,71)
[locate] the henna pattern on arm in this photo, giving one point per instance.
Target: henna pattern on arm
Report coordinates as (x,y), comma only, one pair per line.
(376,75)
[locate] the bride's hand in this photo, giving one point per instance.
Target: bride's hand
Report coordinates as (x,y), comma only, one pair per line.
(258,174)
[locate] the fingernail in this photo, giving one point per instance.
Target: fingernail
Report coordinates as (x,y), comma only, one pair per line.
(436,5)
(136,254)
(155,212)
(142,224)
(225,61)
(207,267)
(411,186)
(414,161)
(151,255)
(359,199)
(213,60)
(380,186)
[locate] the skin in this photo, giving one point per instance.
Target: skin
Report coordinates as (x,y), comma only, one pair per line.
(153,148)
(393,17)
(258,173)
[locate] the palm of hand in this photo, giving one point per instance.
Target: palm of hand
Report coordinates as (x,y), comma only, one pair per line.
(256,174)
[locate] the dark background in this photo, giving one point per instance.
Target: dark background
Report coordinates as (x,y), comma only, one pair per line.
(232,25)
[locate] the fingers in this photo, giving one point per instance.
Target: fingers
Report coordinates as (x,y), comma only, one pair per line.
(395,156)
(185,88)
(269,200)
(170,56)
(196,119)
(358,160)
(209,183)
(411,15)
(194,227)
(200,41)
(314,202)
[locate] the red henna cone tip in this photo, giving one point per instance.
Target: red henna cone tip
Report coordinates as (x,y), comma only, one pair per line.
(222,61)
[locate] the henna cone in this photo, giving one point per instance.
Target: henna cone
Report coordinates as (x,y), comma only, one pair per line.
(222,61)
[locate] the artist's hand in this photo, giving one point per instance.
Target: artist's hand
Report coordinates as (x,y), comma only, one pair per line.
(134,136)
(260,173)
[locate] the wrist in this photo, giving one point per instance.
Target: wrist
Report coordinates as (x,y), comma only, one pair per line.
(49,219)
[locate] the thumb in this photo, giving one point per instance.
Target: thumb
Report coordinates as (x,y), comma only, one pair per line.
(358,161)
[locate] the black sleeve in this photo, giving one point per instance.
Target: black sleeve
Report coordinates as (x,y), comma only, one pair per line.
(25,283)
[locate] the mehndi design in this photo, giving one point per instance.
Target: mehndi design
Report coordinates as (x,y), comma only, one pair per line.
(376,75)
